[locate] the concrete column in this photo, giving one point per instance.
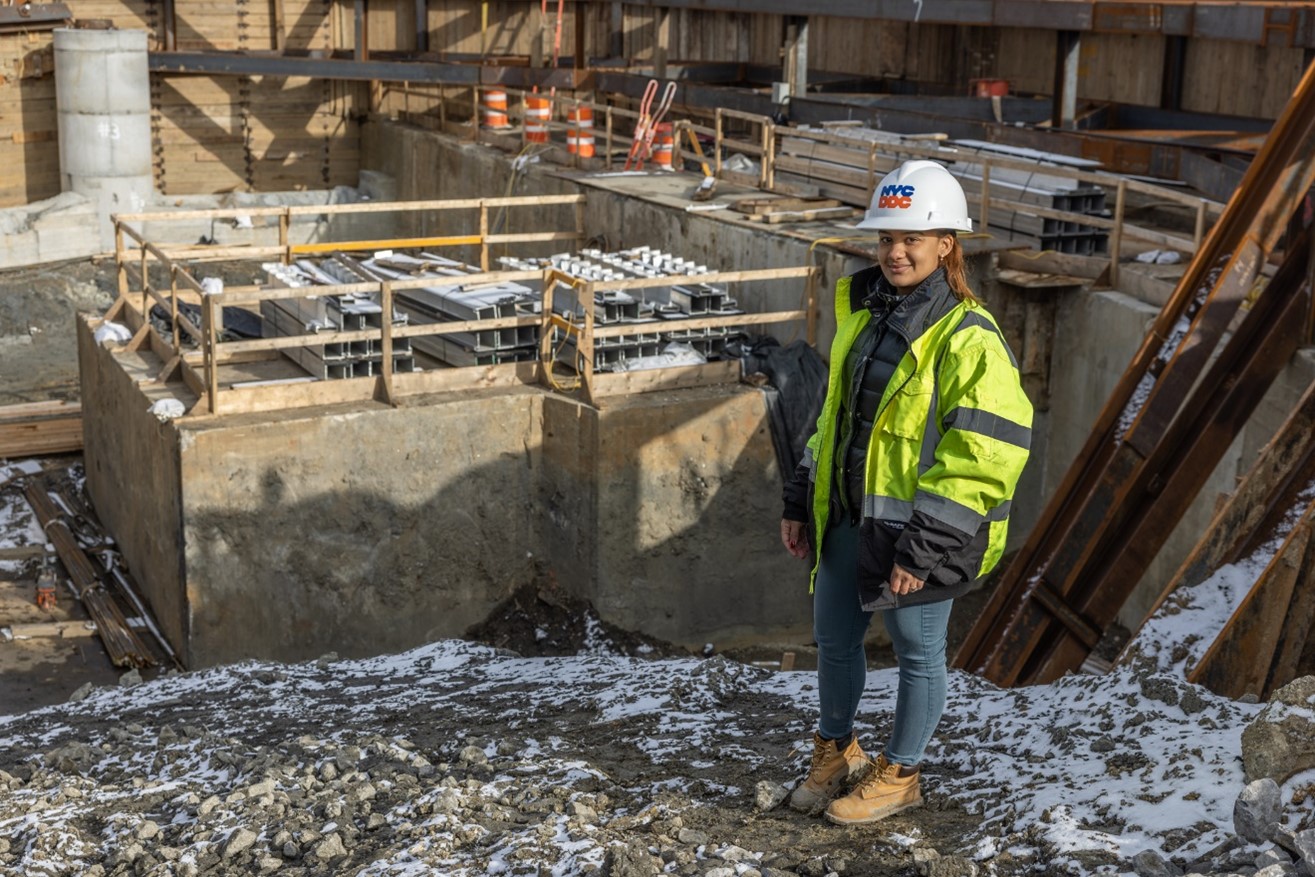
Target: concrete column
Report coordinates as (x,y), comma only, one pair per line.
(422,25)
(1171,81)
(362,18)
(662,49)
(1067,52)
(796,55)
(617,47)
(103,95)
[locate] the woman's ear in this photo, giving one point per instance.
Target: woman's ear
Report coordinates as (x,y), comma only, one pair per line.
(945,246)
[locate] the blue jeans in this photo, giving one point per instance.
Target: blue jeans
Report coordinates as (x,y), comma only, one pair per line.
(839,626)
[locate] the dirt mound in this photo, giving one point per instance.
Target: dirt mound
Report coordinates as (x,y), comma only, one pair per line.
(541,620)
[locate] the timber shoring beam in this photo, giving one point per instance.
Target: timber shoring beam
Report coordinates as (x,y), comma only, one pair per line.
(1162,431)
(1261,645)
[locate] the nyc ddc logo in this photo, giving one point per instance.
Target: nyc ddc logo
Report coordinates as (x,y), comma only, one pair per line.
(896,197)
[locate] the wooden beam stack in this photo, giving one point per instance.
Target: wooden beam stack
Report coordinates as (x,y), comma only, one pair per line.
(38,428)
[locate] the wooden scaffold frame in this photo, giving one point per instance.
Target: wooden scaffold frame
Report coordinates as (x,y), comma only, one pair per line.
(199,368)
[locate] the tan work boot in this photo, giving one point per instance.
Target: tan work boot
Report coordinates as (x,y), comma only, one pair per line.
(828,772)
(882,793)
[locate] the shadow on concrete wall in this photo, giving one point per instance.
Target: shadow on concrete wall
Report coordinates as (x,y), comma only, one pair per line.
(661,538)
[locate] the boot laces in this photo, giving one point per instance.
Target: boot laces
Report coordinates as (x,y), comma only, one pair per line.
(820,753)
(878,775)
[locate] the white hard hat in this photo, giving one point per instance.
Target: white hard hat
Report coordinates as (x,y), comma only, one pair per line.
(918,196)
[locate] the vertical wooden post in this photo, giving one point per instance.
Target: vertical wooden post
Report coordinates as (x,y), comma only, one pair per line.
(584,344)
(768,162)
(146,285)
(1116,233)
(118,259)
(579,223)
(608,150)
(173,307)
(474,116)
(716,142)
(386,346)
(208,352)
(483,235)
(1199,233)
(546,329)
(986,197)
(285,223)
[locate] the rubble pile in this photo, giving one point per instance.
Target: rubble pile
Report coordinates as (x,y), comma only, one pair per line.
(462,759)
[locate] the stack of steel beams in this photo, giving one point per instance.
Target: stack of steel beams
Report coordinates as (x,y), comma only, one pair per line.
(663,306)
(327,313)
(1041,189)
(461,292)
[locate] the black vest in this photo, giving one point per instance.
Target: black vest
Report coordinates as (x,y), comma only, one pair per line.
(870,364)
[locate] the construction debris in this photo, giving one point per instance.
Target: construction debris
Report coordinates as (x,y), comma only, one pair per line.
(117,633)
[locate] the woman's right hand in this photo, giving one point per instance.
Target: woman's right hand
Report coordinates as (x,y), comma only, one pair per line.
(794,536)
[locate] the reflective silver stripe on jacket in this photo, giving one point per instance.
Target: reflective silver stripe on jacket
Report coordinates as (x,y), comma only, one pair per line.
(972,320)
(988,424)
(957,515)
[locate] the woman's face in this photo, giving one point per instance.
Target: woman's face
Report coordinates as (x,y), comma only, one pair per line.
(909,257)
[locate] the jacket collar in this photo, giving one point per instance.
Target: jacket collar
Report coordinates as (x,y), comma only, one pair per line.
(915,311)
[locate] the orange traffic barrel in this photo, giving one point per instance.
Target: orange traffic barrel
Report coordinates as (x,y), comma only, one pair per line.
(580,117)
(537,113)
(493,109)
(580,143)
(663,146)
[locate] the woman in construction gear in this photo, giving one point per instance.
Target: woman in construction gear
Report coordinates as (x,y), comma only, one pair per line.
(906,483)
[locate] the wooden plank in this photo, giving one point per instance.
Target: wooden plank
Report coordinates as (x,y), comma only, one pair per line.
(778,216)
(24,552)
(1241,658)
(40,428)
(59,629)
(768,205)
(605,384)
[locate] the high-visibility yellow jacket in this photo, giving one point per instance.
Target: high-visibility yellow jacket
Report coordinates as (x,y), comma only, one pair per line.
(949,442)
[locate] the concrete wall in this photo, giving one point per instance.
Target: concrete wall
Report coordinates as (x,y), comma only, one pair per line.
(691,515)
(133,474)
(356,529)
(364,529)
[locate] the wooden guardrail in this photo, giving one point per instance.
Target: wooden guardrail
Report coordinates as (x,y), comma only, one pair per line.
(140,289)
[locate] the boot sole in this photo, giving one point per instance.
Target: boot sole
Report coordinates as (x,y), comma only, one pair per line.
(875,817)
(815,806)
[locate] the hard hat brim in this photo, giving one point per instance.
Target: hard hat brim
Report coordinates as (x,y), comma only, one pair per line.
(888,224)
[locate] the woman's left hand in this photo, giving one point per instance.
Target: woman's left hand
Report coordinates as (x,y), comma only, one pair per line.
(904,582)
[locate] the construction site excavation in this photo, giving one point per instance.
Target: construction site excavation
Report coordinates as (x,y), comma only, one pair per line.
(724,439)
